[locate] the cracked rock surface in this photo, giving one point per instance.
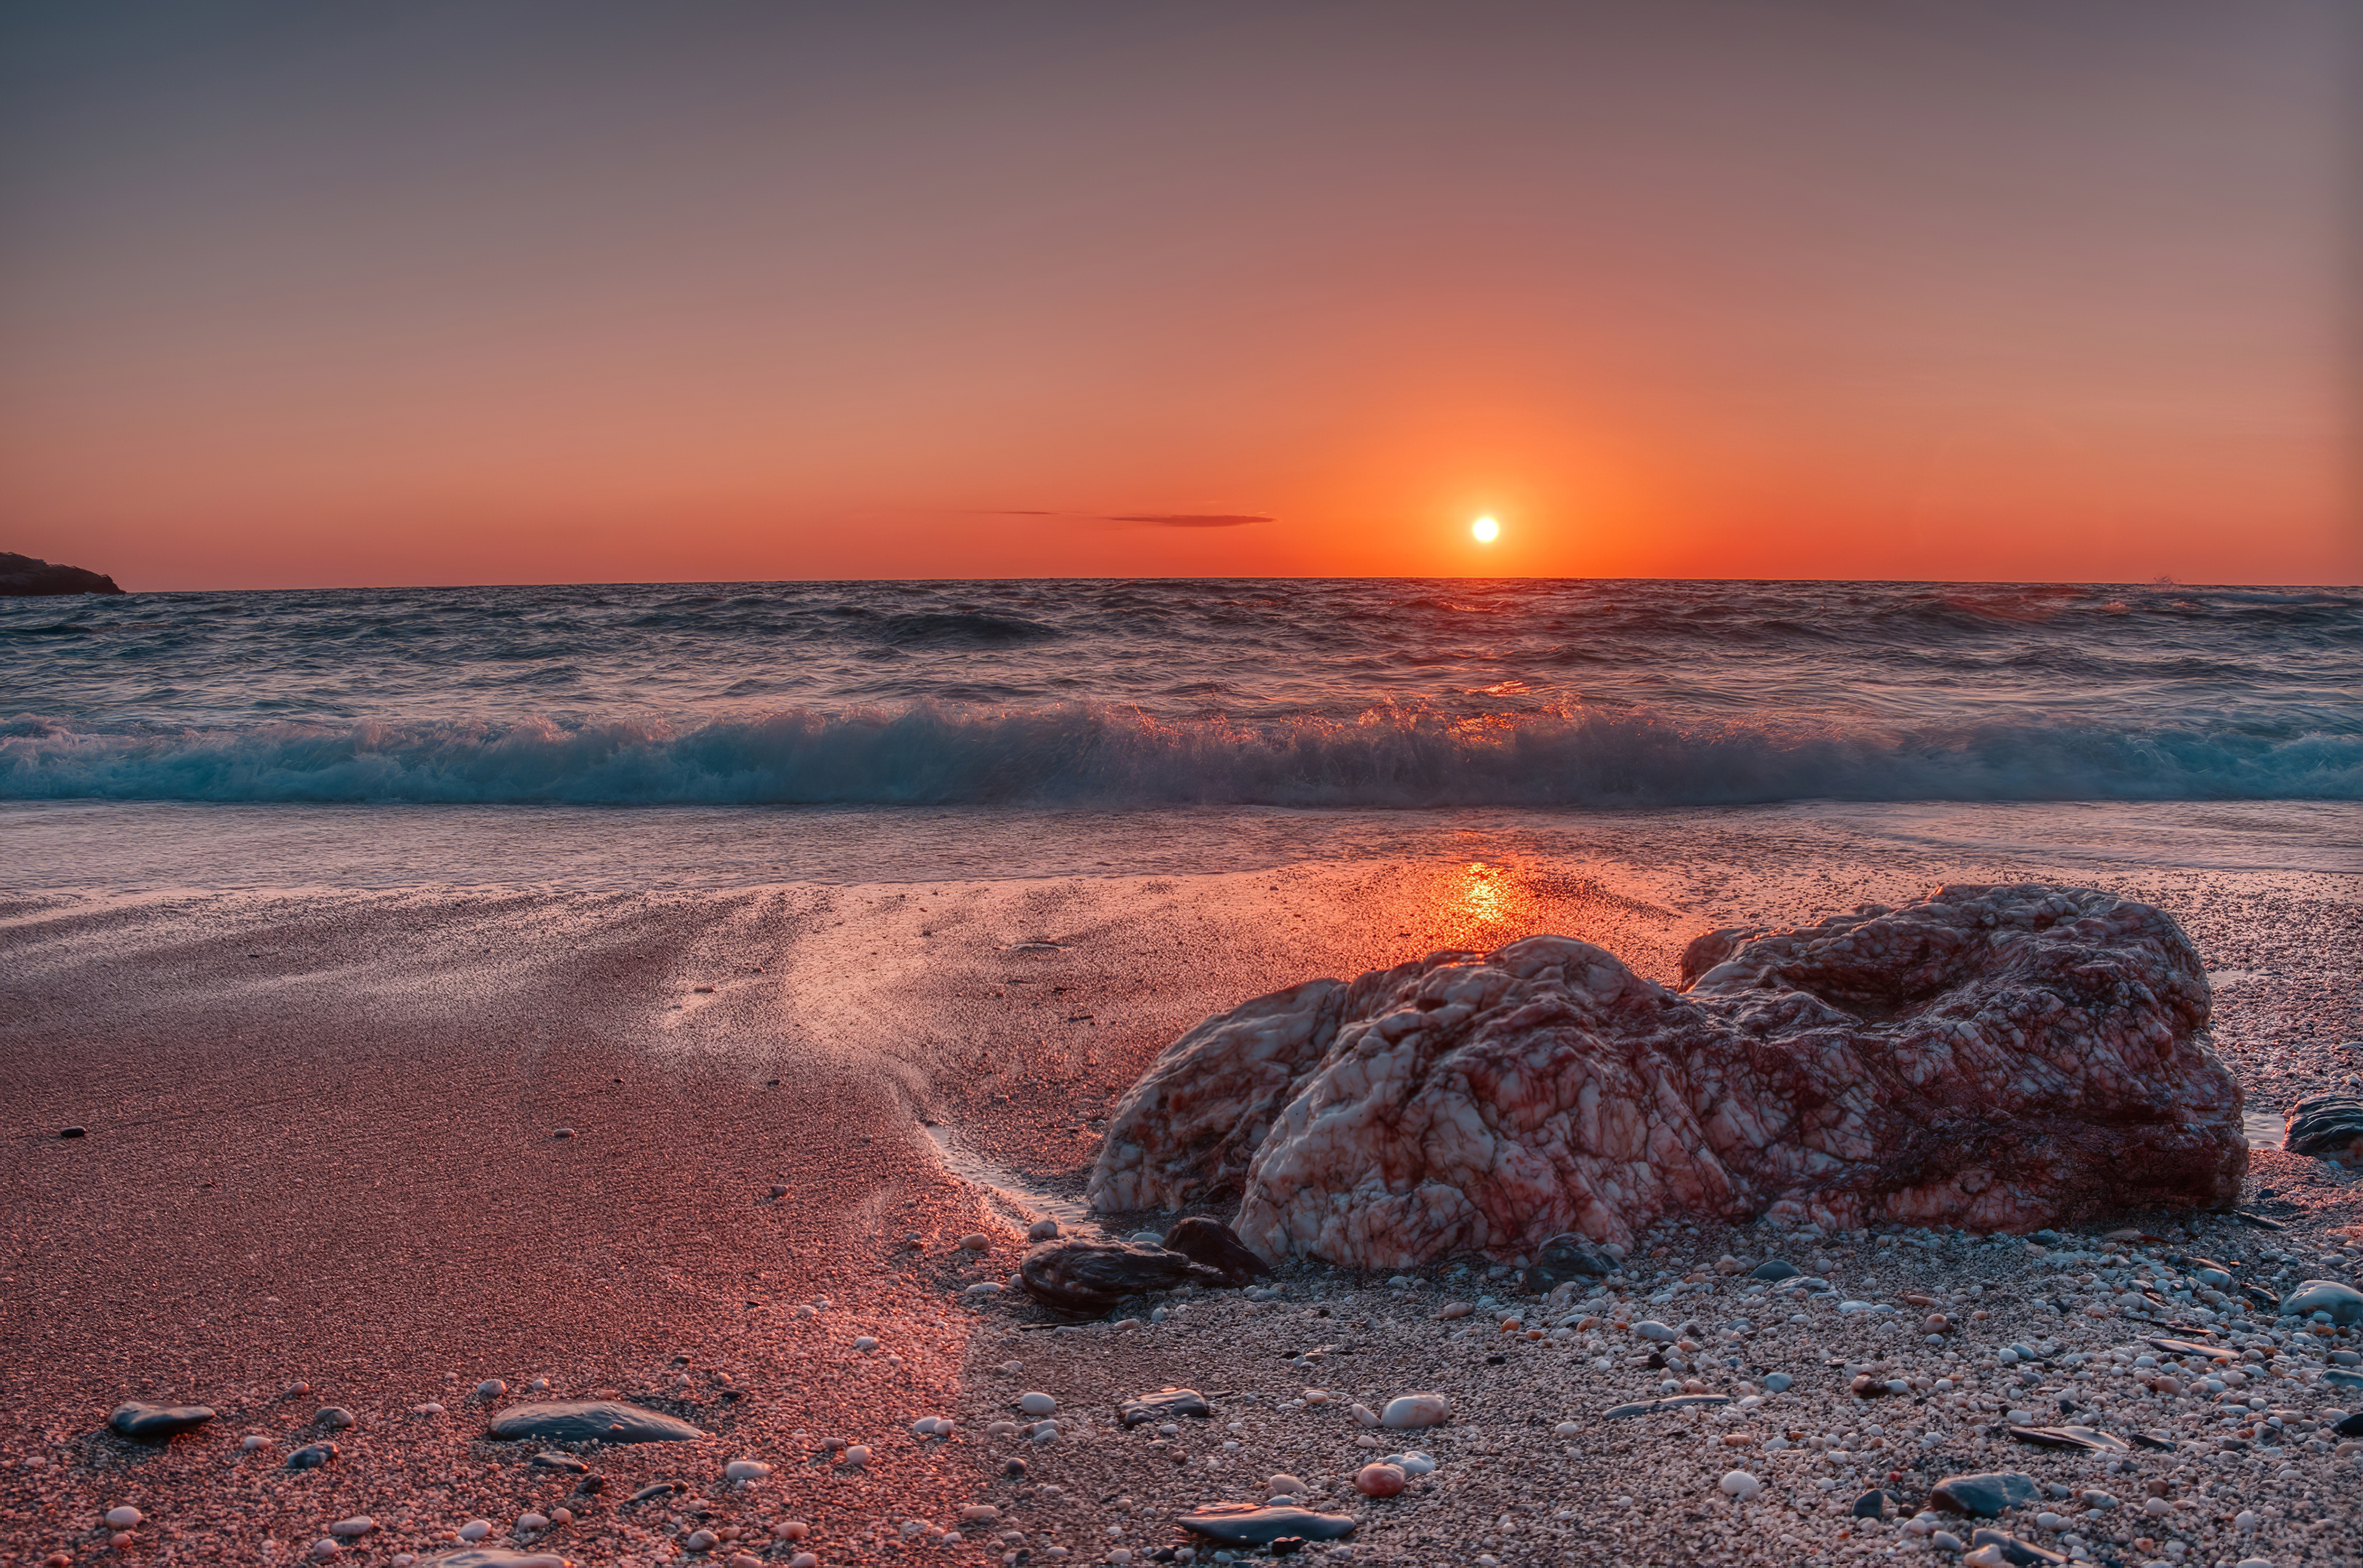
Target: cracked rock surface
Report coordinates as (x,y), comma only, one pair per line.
(1991,1058)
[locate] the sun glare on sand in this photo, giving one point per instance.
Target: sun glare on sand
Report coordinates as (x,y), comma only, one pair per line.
(1486,529)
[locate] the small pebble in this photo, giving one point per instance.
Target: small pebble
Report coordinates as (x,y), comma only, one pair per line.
(976,1241)
(253,1440)
(311,1456)
(701,1540)
(857,1455)
(1042,1230)
(475,1529)
(1740,1484)
(352,1528)
(125,1518)
(791,1530)
(1378,1480)
(804,1560)
(865,1343)
(1414,1410)
(490,1388)
(745,1470)
(532,1521)
(561,1132)
(336,1417)
(1038,1404)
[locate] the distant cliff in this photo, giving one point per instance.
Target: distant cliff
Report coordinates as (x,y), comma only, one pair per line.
(21,576)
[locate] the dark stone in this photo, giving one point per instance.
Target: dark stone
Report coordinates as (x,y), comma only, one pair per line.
(590,1486)
(2083,1438)
(1256,1524)
(1078,1275)
(547,1460)
(589,1421)
(74,1132)
(1774,1268)
(1218,1246)
(2326,1126)
(1016,1468)
(1288,1546)
(2258,1295)
(1165,1405)
(651,1493)
(153,1423)
(2162,1445)
(2351,1428)
(1671,1402)
(2015,1551)
(1984,1495)
(336,1417)
(311,1456)
(1874,1505)
(24,577)
(1564,1257)
(1497,1360)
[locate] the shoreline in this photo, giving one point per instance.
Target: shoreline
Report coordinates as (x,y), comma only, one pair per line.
(391,1222)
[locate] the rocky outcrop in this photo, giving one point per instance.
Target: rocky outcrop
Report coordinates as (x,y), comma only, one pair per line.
(1995,1058)
(22,576)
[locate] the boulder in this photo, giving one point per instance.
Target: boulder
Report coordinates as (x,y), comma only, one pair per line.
(2327,1127)
(1079,1275)
(1217,1246)
(1991,1057)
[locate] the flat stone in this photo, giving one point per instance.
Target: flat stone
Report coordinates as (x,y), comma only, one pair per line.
(1671,1402)
(1650,1329)
(2326,1126)
(1256,1524)
(336,1417)
(589,1421)
(1777,1382)
(1874,1505)
(151,1423)
(566,1461)
(654,1490)
(1982,1495)
(2015,1551)
(2351,1428)
(1078,1276)
(2083,1438)
(1773,1268)
(1165,1405)
(494,1557)
(1564,1257)
(311,1456)
(2343,1302)
(1216,1246)
(2186,1347)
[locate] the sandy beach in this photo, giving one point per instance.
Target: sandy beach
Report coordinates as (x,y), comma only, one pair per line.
(323,1166)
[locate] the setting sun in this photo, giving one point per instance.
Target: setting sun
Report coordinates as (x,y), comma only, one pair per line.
(1486,529)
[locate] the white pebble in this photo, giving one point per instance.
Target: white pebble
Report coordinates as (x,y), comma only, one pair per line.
(791,1530)
(359,1525)
(253,1440)
(1567,1429)
(324,1549)
(431,1407)
(701,1540)
(979,1514)
(2246,1520)
(1042,1230)
(475,1529)
(1740,1484)
(124,1518)
(1036,1404)
(1413,1411)
(745,1470)
(983,1287)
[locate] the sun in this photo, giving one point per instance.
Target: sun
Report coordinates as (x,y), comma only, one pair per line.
(1486,529)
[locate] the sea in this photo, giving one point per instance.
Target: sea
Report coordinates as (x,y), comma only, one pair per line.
(846,729)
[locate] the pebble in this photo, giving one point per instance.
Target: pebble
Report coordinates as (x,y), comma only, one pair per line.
(561,1132)
(976,1241)
(1650,1329)
(1250,1525)
(475,1529)
(546,1459)
(354,1527)
(1161,1406)
(150,1422)
(311,1456)
(253,1440)
(1283,1482)
(1036,1404)
(336,1417)
(1740,1484)
(857,1455)
(490,1388)
(1777,1382)
(1148,1239)
(865,1344)
(125,1518)
(1380,1480)
(791,1530)
(745,1470)
(1984,1495)
(2343,1303)
(701,1540)
(1042,1230)
(324,1549)
(589,1421)
(1774,1269)
(1414,1410)
(531,1521)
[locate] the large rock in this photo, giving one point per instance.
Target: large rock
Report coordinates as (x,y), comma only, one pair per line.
(2328,1127)
(1995,1058)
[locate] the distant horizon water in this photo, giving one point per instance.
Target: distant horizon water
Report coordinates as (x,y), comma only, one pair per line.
(1148,693)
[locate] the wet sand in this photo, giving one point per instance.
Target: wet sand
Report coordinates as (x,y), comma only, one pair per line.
(320,1150)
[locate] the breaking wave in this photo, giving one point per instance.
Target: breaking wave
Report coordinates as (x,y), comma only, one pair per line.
(1095,754)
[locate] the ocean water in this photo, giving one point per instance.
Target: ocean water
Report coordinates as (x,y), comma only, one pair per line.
(1125,697)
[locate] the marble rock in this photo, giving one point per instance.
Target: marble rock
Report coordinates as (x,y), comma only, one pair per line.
(2327,1127)
(1991,1057)
(1079,1275)
(151,1423)
(588,1420)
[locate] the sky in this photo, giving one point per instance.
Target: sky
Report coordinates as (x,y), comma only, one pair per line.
(523,292)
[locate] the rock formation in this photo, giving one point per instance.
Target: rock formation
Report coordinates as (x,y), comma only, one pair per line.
(1995,1058)
(22,576)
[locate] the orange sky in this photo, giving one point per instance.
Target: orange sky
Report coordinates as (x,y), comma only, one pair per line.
(449,294)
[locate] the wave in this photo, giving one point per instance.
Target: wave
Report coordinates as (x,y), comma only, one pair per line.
(943,753)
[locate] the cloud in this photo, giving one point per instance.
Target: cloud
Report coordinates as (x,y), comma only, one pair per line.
(1195,520)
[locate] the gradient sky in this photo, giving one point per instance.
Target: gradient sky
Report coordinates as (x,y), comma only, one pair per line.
(522,291)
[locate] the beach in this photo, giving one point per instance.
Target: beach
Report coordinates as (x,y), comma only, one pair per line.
(369,1146)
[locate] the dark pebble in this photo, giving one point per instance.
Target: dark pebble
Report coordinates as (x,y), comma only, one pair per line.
(1288,1546)
(151,1422)
(1984,1495)
(590,1485)
(2083,1438)
(311,1456)
(1217,1246)
(1565,1258)
(74,1132)
(1671,1402)
(1874,1505)
(650,1493)
(487,1557)
(2015,1551)
(547,1460)
(1773,1268)
(1091,1276)
(2324,1125)
(2351,1428)
(1254,1523)
(336,1417)
(589,1421)
(1016,1467)
(1165,1405)
(1497,1360)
